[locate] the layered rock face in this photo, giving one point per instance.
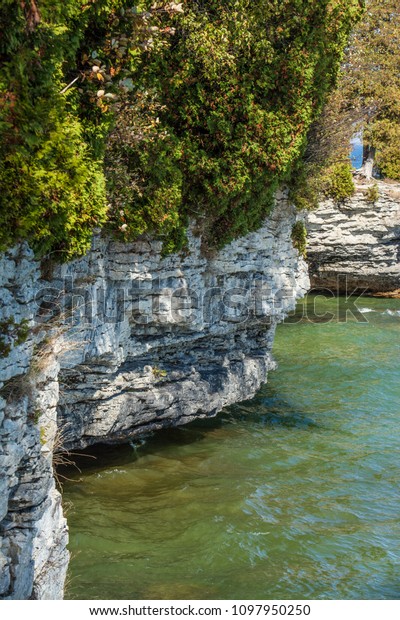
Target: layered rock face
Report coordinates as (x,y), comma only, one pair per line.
(356,244)
(33,555)
(125,342)
(167,341)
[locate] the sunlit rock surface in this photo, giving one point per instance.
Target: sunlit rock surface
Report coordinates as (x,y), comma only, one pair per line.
(356,243)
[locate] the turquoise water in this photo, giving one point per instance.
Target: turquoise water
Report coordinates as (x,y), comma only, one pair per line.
(294,494)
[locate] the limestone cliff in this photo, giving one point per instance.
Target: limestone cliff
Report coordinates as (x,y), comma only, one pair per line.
(123,342)
(33,556)
(356,243)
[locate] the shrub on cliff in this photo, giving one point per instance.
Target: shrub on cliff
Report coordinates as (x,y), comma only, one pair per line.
(337,182)
(208,105)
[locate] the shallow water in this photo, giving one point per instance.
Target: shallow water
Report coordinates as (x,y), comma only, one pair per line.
(294,494)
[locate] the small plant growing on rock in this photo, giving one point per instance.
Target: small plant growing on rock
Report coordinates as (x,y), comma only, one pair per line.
(43,436)
(35,416)
(159,373)
(373,193)
(12,334)
(299,238)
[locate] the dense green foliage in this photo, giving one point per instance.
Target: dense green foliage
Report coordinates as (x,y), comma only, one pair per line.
(237,89)
(181,110)
(52,190)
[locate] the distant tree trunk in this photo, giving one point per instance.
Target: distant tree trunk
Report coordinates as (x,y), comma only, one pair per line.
(368,161)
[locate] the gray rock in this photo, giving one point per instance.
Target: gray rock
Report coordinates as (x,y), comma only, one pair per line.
(356,244)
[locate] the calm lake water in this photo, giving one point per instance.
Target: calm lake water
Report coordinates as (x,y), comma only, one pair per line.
(294,494)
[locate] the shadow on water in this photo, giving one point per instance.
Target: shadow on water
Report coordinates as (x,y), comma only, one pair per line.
(103,456)
(269,410)
(265,411)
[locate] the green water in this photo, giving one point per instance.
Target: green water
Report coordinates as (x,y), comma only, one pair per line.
(294,494)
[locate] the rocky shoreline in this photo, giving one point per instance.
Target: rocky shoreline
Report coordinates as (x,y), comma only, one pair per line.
(123,342)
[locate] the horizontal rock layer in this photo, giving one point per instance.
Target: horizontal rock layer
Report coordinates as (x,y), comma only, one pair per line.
(124,342)
(356,243)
